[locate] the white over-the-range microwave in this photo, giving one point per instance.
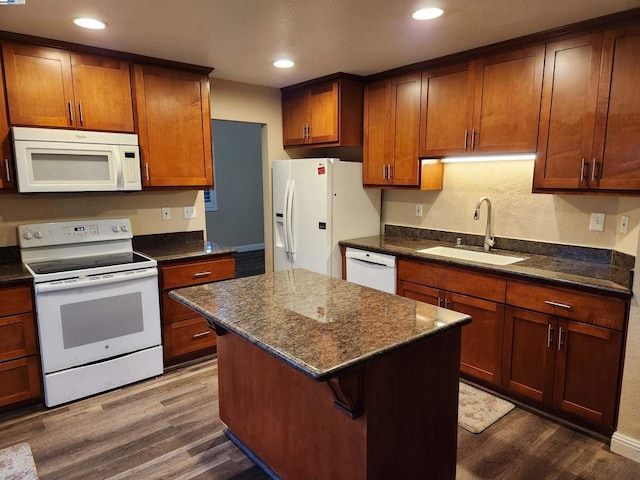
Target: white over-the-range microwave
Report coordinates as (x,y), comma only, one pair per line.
(57,160)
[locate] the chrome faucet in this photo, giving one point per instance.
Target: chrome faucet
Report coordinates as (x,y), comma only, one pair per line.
(488,236)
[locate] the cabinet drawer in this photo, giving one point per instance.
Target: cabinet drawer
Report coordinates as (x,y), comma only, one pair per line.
(19,380)
(452,279)
(561,302)
(173,311)
(17,336)
(187,336)
(194,273)
(15,300)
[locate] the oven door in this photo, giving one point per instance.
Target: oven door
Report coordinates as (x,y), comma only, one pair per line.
(97,317)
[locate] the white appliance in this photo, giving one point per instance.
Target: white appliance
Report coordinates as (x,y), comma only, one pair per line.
(316,203)
(97,306)
(56,160)
(371,269)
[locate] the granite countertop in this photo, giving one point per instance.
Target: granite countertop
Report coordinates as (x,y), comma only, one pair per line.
(570,272)
(319,325)
(13,273)
(187,250)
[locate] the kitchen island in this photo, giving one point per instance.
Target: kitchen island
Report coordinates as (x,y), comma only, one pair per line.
(321,378)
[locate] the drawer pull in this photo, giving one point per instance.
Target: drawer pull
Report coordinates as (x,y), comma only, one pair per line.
(201,334)
(556,304)
(201,274)
(549,336)
(560,339)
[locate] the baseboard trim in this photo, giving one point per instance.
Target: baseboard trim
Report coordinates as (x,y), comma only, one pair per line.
(626,446)
(251,247)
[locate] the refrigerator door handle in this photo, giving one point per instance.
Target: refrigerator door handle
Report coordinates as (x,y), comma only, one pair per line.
(285,219)
(289,225)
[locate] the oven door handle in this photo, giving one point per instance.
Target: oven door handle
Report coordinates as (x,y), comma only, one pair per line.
(96,280)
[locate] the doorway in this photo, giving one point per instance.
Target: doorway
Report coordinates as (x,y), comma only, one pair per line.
(234,209)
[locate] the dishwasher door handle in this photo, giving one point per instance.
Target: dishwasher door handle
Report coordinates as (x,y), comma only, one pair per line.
(369,262)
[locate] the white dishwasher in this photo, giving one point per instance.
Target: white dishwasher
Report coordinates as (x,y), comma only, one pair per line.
(371,269)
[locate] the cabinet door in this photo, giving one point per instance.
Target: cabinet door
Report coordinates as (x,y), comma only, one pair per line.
(102,92)
(323,106)
(174,127)
(481,345)
(587,371)
(507,101)
(617,140)
(7,172)
(39,86)
(419,293)
(295,117)
(447,103)
(529,354)
(377,118)
(405,125)
(567,114)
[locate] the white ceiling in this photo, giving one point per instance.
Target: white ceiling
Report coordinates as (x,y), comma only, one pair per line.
(240,38)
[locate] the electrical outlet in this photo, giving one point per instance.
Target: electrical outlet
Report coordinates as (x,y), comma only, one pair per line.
(418,209)
(166,213)
(597,222)
(189,212)
(624,224)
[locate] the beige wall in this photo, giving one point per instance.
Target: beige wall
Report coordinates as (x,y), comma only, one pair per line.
(517,213)
(249,103)
(143,208)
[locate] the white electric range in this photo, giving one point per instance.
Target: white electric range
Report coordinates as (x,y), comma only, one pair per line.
(97,305)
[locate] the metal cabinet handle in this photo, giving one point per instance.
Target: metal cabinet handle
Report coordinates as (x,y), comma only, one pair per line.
(384,172)
(390,176)
(70,111)
(201,334)
(466,135)
(308,131)
(560,331)
(80,110)
(446,303)
(439,302)
(201,274)
(582,170)
(549,335)
(7,169)
(594,166)
(556,304)
(146,170)
(473,138)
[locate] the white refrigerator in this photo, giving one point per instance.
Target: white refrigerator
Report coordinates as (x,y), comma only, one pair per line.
(316,203)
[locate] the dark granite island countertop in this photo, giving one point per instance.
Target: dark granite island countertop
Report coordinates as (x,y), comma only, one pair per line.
(320,378)
(319,325)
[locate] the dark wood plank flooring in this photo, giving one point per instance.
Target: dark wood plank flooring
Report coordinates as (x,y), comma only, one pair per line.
(168,428)
(249,263)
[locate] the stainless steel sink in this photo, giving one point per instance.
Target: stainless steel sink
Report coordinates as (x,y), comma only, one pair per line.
(482,257)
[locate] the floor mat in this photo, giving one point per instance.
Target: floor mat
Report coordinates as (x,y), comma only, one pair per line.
(477,409)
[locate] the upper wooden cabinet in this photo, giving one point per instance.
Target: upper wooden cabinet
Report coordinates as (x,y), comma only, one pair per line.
(325,114)
(56,88)
(7,172)
(490,105)
(589,133)
(174,127)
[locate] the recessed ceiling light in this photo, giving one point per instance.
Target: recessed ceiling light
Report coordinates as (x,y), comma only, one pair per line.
(283,63)
(91,23)
(427,13)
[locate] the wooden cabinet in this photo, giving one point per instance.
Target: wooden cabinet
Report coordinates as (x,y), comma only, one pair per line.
(325,114)
(588,131)
(174,127)
(19,364)
(55,88)
(557,353)
(184,333)
(480,296)
(487,106)
(7,171)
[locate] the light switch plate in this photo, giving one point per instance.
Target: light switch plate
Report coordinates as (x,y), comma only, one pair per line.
(624,224)
(418,209)
(166,213)
(189,212)
(597,222)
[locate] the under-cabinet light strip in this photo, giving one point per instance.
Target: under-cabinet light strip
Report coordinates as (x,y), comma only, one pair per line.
(489,158)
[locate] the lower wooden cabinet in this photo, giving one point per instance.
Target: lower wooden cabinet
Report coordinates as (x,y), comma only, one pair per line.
(558,348)
(185,334)
(19,362)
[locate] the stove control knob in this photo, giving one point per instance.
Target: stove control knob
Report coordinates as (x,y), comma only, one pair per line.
(39,234)
(115,228)
(125,227)
(27,235)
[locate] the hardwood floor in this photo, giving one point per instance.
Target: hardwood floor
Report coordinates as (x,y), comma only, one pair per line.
(168,428)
